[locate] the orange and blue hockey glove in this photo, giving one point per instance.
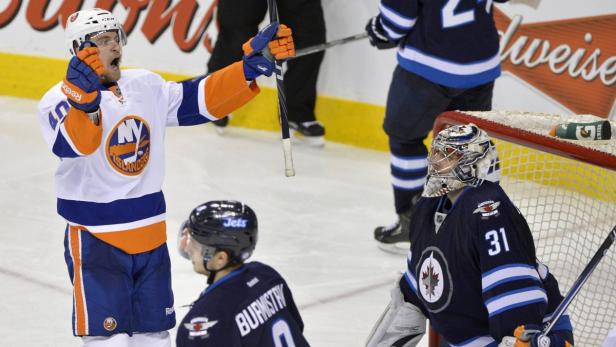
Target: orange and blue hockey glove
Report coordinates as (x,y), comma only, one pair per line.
(261,50)
(82,83)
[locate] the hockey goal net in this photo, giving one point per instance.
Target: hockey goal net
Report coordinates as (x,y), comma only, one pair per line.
(566,189)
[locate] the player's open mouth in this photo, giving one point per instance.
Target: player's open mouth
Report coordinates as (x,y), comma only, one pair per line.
(115,63)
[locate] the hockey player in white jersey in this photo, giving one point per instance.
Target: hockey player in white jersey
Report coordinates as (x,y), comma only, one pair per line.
(108,127)
(471,267)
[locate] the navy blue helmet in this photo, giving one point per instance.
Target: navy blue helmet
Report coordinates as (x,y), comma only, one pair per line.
(225,225)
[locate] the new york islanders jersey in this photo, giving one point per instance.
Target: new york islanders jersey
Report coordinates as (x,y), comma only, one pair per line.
(110,175)
(249,307)
(449,42)
(472,268)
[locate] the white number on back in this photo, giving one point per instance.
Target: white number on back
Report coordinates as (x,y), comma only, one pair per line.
(281,334)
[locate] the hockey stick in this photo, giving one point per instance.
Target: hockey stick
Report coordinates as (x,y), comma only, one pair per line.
(579,282)
(289,171)
(323,46)
(320,47)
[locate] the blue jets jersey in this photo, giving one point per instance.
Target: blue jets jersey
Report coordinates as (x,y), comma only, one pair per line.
(472,268)
(449,42)
(251,306)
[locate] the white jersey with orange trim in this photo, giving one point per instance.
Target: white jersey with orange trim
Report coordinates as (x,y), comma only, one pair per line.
(110,175)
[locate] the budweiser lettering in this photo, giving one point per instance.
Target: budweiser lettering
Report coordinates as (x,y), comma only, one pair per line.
(572,61)
(560,58)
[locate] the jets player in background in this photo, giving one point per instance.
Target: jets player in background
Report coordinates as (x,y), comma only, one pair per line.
(107,126)
(471,268)
(245,304)
(447,60)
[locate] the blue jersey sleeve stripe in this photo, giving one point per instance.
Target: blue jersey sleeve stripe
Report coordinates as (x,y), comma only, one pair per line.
(506,274)
(515,298)
(62,147)
(410,279)
(391,34)
(477,341)
(499,268)
(516,305)
(507,280)
(188,112)
(115,212)
(399,20)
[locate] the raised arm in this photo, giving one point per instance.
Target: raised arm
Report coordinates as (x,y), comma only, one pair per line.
(72,126)
(215,96)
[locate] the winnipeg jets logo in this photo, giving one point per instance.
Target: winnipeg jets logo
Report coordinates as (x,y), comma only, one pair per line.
(262,68)
(198,327)
(434,281)
(430,279)
(488,209)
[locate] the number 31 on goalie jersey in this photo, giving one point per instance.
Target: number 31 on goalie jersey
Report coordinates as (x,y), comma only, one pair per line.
(495,241)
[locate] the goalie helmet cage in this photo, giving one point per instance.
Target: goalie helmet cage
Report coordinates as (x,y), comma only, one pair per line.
(566,190)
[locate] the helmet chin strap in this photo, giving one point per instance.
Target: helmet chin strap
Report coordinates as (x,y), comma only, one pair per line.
(213,272)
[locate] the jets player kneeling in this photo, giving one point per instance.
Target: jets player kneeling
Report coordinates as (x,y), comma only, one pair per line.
(245,304)
(471,268)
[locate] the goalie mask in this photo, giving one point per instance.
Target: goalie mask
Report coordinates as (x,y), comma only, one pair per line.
(461,155)
(83,25)
(221,225)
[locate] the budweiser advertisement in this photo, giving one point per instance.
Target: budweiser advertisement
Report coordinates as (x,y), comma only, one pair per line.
(572,61)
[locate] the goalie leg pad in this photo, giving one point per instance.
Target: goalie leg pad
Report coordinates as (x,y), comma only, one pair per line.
(402,324)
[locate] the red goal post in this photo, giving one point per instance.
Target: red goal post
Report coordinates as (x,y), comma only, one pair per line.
(537,139)
(566,189)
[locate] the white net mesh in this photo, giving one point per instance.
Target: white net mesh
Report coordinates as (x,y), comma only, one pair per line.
(570,207)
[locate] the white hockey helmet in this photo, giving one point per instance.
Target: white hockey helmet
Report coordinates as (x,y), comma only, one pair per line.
(461,155)
(82,24)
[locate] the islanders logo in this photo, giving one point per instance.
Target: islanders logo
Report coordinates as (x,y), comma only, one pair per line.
(128,146)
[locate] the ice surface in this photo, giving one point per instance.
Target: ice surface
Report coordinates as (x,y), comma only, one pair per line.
(315,228)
